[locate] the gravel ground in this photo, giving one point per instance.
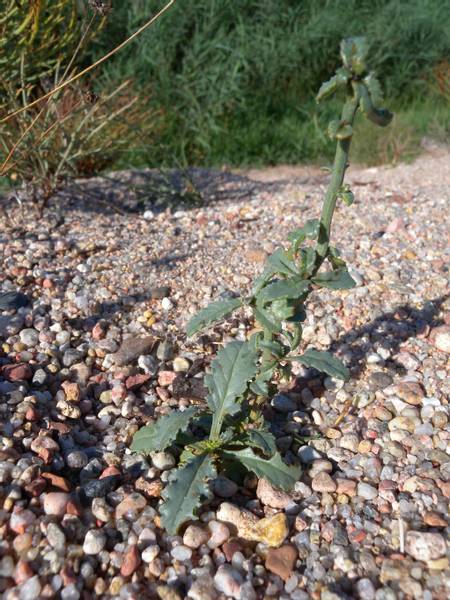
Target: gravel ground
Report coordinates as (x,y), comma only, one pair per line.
(93,347)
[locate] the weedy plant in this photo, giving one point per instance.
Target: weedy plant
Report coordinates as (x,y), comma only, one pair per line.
(230,435)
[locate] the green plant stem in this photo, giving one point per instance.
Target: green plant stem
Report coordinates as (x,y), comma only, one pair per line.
(337,178)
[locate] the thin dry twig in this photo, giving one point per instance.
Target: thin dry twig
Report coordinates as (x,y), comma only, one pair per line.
(91,67)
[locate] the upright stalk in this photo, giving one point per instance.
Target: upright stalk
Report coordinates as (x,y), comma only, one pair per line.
(337,178)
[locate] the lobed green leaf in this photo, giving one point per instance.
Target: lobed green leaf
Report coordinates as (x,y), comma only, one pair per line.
(213,312)
(188,487)
(160,435)
(231,371)
(324,362)
(340,279)
(282,290)
(274,470)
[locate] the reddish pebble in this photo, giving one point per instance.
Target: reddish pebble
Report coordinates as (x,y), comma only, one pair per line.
(57,481)
(73,509)
(165,378)
(20,372)
(112,470)
(281,561)
(131,561)
(36,487)
(21,519)
(230,548)
(32,414)
(48,284)
(71,390)
(135,381)
(99,331)
(55,503)
(22,572)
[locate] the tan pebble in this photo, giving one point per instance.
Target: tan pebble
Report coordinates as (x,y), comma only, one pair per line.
(322,482)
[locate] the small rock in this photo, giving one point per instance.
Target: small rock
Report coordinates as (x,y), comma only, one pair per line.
(224,487)
(195,536)
(349,441)
(165,350)
(283,403)
(131,348)
(158,293)
(181,553)
(322,482)
(166,304)
(131,561)
(181,364)
(150,553)
(148,364)
(441,337)
(98,488)
(69,410)
(281,561)
(202,589)
(55,503)
(13,300)
(77,459)
(31,589)
(270,496)
(219,534)
(21,519)
(433,519)
(228,581)
(19,372)
(56,537)
(29,337)
(94,541)
(380,380)
(365,589)
(366,491)
(425,546)
(410,392)
(163,460)
(131,505)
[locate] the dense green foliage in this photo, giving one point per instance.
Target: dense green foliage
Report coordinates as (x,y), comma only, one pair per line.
(235,79)
(229,434)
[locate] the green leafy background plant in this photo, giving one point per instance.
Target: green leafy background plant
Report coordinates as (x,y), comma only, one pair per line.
(243,373)
(236,78)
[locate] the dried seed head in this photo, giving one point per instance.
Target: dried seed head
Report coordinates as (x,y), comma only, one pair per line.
(101,7)
(89,96)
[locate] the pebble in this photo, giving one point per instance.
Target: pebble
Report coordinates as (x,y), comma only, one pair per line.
(150,553)
(132,348)
(271,496)
(281,561)
(163,460)
(228,581)
(55,503)
(283,403)
(181,553)
(219,534)
(29,337)
(424,545)
(366,491)
(94,541)
(322,482)
(195,536)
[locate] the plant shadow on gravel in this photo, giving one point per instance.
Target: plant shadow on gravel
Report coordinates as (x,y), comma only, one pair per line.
(133,192)
(393,328)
